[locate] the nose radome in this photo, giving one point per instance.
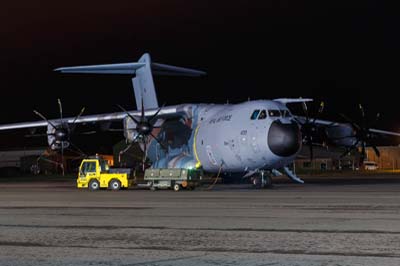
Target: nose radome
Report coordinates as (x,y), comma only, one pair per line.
(284,139)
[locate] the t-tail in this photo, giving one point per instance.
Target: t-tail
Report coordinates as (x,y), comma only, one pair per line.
(143,71)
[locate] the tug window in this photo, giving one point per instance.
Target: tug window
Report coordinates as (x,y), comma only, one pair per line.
(89,167)
(262,115)
(274,113)
(104,166)
(255,114)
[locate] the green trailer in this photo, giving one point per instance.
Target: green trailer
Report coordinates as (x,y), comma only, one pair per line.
(175,178)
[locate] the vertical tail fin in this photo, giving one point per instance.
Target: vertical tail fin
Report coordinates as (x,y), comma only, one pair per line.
(143,85)
(143,70)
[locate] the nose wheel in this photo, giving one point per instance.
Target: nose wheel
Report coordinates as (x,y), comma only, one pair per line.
(262,180)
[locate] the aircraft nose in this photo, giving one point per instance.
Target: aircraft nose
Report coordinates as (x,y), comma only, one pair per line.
(284,140)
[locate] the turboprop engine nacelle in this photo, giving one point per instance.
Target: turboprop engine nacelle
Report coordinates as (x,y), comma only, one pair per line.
(58,136)
(341,135)
(130,132)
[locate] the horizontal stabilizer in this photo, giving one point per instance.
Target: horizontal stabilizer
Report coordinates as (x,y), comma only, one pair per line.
(131,68)
(168,70)
(293,100)
(125,68)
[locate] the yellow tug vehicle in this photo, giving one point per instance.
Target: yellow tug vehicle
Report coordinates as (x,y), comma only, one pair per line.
(95,173)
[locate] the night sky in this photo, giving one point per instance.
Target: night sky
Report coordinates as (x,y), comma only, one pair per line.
(344,52)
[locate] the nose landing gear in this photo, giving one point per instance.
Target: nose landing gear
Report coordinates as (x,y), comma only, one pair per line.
(262,179)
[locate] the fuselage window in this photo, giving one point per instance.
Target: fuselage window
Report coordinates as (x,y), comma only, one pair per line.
(255,114)
(274,113)
(262,115)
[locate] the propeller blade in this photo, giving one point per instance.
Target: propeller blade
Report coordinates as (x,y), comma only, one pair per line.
(349,149)
(80,152)
(142,117)
(305,110)
(350,121)
(298,121)
(88,133)
(155,115)
(144,153)
(123,151)
(363,144)
(44,118)
(62,157)
(345,137)
(364,118)
(52,143)
(79,115)
(377,118)
(321,107)
(131,116)
(320,110)
(362,110)
(61,112)
(311,152)
(119,129)
(127,148)
(159,142)
(377,152)
(38,135)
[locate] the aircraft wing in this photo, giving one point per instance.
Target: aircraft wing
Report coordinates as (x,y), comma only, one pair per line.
(166,112)
(326,123)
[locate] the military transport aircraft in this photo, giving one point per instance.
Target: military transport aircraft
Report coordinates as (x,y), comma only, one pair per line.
(255,137)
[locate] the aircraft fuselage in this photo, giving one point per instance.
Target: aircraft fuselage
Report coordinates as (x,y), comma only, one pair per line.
(249,136)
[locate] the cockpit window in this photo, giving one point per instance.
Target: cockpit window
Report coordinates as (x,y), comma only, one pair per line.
(262,115)
(274,113)
(255,114)
(285,113)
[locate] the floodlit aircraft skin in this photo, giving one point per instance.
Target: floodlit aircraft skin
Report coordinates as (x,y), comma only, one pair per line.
(253,137)
(215,136)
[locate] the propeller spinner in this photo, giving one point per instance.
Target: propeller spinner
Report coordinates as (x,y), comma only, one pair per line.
(309,127)
(144,128)
(362,134)
(60,133)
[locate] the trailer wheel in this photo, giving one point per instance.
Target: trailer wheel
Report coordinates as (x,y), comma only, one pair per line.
(94,184)
(177,187)
(114,184)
